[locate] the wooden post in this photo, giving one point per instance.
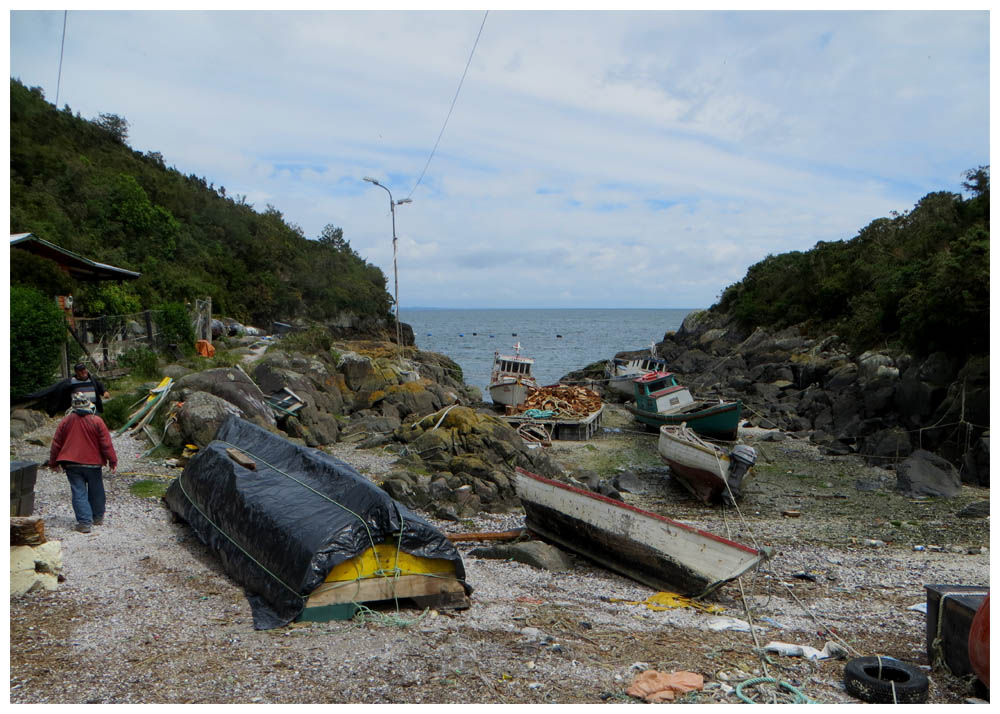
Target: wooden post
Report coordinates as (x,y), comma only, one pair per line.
(104,341)
(149,327)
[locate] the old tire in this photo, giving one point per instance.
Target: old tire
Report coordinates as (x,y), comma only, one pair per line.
(883,680)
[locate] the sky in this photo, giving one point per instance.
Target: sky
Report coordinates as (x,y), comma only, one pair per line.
(587,159)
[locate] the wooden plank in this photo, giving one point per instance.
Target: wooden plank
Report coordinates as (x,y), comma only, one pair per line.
(494,535)
(242,459)
(382,588)
(27,530)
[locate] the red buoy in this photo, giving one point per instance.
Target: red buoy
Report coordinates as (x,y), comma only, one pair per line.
(979,642)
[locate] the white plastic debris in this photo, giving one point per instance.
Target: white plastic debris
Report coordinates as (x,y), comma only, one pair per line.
(919,607)
(728,623)
(831,650)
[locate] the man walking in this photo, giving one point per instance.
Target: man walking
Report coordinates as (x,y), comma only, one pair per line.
(81,446)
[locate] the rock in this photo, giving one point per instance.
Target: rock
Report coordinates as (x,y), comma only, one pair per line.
(175,371)
(35,567)
(200,417)
(534,553)
(976,464)
(232,385)
(887,446)
(926,474)
(979,509)
(24,421)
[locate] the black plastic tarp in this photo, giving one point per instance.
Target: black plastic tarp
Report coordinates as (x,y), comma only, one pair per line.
(280,527)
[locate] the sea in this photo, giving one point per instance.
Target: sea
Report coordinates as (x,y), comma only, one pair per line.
(559,340)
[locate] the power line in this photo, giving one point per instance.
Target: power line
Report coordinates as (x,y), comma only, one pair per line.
(452,105)
(62,46)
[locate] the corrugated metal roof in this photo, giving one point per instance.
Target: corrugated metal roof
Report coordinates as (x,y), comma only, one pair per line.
(76,265)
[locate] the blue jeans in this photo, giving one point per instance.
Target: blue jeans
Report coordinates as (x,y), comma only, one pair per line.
(87,486)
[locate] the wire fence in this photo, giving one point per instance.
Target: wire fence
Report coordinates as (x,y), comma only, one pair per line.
(100,342)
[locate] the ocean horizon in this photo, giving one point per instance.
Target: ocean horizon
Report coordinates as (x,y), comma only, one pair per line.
(560,340)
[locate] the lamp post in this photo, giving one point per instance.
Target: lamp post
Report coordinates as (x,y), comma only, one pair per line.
(395,271)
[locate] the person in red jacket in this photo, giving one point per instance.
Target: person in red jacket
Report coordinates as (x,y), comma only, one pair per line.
(81,446)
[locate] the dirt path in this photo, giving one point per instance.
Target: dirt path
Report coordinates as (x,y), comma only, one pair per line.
(146,613)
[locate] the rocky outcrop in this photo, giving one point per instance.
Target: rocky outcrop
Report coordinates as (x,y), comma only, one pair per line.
(882,404)
(462,461)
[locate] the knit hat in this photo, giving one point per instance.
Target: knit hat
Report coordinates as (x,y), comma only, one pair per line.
(80,402)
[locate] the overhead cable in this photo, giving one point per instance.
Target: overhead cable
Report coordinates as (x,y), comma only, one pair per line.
(62,46)
(441,133)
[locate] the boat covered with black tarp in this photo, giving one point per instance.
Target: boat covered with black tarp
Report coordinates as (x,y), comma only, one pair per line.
(282,516)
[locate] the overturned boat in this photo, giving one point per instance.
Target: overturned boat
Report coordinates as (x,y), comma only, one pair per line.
(305,534)
(708,471)
(646,547)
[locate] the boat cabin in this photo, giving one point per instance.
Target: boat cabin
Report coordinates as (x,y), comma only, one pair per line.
(659,392)
(511,366)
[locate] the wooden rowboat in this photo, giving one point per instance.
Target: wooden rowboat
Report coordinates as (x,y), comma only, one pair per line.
(646,547)
(708,471)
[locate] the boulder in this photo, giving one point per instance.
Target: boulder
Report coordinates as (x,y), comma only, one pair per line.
(533,552)
(926,474)
(976,464)
(199,418)
(887,446)
(232,385)
(25,421)
(35,567)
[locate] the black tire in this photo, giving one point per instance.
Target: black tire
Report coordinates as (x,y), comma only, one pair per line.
(882,680)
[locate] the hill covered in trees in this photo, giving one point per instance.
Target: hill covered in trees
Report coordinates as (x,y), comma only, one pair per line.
(919,281)
(76,183)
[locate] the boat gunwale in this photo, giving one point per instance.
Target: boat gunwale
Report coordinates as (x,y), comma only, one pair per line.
(622,504)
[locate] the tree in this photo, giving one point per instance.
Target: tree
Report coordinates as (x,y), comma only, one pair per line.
(333,237)
(977,181)
(115,125)
(37,332)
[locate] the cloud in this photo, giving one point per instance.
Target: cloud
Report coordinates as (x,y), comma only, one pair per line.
(591,159)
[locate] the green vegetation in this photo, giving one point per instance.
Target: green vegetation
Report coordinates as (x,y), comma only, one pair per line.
(141,361)
(76,183)
(121,405)
(314,340)
(37,331)
(918,280)
(149,488)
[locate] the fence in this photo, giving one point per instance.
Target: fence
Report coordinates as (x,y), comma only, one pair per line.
(103,340)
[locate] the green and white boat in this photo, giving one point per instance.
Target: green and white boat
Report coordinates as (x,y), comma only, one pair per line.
(660,400)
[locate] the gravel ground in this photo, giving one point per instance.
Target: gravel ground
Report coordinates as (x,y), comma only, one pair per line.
(147,615)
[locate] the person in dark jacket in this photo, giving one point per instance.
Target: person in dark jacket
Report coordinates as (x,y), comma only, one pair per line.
(81,447)
(59,396)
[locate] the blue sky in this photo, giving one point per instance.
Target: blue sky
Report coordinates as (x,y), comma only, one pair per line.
(592,159)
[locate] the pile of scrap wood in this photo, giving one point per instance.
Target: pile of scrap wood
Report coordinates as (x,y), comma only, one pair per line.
(147,407)
(563,400)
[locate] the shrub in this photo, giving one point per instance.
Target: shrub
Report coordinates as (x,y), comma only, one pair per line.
(314,340)
(141,360)
(118,408)
(37,332)
(175,326)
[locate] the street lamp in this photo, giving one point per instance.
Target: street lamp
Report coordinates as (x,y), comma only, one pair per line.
(395,271)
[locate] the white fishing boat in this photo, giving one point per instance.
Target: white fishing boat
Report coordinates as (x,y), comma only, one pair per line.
(708,471)
(621,371)
(511,378)
(646,547)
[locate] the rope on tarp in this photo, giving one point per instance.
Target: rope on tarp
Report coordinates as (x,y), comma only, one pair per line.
(180,482)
